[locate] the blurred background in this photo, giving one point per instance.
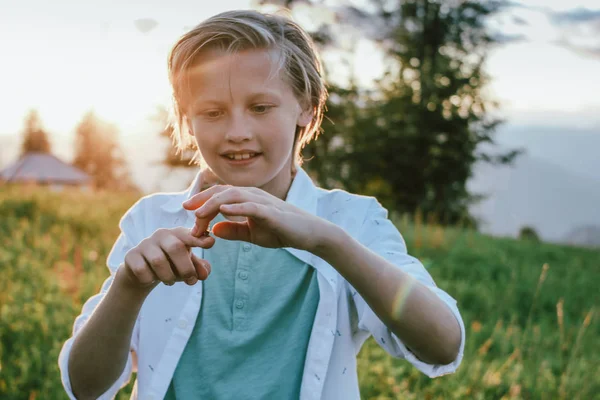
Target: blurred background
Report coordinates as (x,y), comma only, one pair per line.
(477,85)
(469,120)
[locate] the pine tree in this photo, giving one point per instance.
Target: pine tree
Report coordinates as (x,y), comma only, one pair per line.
(35,138)
(414,140)
(97,152)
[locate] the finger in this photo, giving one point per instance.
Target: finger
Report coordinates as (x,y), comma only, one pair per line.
(157,260)
(233,195)
(232,230)
(179,257)
(183,234)
(254,210)
(201,225)
(199,199)
(137,269)
(202,267)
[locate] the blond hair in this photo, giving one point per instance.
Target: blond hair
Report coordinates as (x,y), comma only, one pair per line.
(235,31)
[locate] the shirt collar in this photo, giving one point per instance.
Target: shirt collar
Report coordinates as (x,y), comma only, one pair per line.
(302,194)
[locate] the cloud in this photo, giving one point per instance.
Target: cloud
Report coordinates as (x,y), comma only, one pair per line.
(579,28)
(503,38)
(575,16)
(145,25)
(516,4)
(519,21)
(371,25)
(585,51)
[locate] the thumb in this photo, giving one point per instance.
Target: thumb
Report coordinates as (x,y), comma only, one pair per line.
(231,230)
(202,267)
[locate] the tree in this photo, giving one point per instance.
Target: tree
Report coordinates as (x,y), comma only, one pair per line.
(433,107)
(529,233)
(35,138)
(413,142)
(97,152)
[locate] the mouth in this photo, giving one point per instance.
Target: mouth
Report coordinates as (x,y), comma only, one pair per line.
(239,159)
(241,156)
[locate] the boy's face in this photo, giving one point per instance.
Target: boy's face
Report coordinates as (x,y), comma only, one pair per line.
(236,108)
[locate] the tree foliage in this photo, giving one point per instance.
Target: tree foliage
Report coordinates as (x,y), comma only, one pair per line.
(97,152)
(414,139)
(35,138)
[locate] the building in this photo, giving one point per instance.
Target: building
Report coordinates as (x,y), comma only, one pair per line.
(45,169)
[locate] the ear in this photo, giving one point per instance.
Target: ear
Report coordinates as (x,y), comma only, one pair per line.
(305,117)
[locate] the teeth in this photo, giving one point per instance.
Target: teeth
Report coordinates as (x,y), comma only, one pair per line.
(244,156)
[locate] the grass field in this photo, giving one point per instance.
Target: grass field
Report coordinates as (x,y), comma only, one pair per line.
(531,310)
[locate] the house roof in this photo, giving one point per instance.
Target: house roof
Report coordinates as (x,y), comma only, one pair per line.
(43,168)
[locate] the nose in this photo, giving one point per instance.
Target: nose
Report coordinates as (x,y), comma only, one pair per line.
(239,129)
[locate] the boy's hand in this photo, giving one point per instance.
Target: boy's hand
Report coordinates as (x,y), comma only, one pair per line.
(165,257)
(269,221)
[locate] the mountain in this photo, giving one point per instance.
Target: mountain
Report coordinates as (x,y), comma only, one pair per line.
(537,193)
(573,148)
(584,236)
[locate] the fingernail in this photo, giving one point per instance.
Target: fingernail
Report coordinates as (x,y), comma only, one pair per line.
(191,281)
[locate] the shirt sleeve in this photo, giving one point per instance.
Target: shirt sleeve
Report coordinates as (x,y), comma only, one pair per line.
(128,239)
(381,236)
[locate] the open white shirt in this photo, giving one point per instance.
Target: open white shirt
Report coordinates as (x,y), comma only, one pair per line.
(343,320)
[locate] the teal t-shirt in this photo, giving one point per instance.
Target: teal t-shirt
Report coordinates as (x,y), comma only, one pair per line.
(252,331)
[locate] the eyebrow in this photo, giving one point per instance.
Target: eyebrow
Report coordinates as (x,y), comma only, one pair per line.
(253,97)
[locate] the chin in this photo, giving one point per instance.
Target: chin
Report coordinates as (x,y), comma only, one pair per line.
(244,181)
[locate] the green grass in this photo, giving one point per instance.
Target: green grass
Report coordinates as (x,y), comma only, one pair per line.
(530,334)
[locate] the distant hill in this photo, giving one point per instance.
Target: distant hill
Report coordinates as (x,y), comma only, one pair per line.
(537,193)
(575,149)
(584,236)
(554,187)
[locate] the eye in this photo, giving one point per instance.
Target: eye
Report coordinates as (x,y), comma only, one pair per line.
(212,114)
(261,108)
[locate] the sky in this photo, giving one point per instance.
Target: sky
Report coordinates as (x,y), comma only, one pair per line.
(66,57)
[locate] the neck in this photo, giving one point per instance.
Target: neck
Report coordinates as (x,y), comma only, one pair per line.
(280,185)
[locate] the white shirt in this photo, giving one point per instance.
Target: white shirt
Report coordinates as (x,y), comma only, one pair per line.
(343,320)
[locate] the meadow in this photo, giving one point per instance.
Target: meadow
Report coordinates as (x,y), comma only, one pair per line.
(530,309)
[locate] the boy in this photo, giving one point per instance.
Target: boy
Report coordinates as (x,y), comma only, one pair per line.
(294,278)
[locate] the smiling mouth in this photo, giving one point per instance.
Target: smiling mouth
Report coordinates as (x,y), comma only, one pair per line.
(241,157)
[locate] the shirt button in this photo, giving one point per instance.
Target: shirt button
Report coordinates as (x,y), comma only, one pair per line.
(182,323)
(239,304)
(246,247)
(243,275)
